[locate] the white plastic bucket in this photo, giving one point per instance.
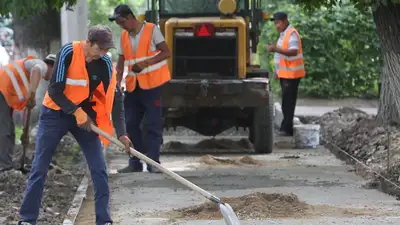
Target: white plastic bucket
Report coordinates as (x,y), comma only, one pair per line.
(306,135)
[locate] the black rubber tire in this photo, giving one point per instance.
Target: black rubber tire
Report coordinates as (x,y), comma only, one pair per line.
(262,132)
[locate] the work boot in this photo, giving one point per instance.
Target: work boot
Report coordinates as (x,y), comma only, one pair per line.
(152,169)
(24,223)
(283,133)
(130,169)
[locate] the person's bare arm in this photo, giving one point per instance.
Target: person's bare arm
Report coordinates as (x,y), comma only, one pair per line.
(164,54)
(159,41)
(120,69)
(35,77)
(289,52)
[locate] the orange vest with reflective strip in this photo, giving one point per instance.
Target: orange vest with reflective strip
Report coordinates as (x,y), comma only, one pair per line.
(77,90)
(150,77)
(14,83)
(291,67)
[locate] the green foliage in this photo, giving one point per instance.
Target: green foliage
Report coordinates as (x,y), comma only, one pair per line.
(100,10)
(340,47)
(27,8)
(364,5)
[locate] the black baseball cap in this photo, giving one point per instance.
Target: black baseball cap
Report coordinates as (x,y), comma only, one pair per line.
(50,59)
(279,16)
(102,35)
(121,10)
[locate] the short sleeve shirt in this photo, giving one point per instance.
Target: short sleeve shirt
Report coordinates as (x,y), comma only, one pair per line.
(38,63)
(157,38)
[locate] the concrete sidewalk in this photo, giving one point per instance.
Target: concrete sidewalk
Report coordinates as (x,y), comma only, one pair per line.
(316,177)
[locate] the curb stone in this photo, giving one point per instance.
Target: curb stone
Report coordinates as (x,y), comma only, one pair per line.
(76,203)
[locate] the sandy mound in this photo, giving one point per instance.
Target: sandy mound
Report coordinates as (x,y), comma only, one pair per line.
(215,161)
(263,205)
(210,144)
(257,205)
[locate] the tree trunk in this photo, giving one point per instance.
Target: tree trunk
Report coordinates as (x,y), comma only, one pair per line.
(387,20)
(36,36)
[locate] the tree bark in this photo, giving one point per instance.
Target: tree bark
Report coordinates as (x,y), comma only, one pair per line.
(35,36)
(387,20)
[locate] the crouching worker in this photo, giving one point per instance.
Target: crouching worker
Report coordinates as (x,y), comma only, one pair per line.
(19,81)
(82,91)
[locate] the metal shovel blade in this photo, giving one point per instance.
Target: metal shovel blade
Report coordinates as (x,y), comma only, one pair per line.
(228,214)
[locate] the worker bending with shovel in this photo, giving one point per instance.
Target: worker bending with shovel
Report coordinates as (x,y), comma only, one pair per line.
(82,92)
(144,51)
(19,81)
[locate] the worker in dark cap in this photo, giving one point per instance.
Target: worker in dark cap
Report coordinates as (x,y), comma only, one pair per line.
(289,68)
(145,52)
(82,91)
(19,82)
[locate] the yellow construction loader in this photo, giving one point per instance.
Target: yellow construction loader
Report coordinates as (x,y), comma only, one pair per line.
(214,85)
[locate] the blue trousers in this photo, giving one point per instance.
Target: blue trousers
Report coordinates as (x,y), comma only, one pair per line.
(137,104)
(53,125)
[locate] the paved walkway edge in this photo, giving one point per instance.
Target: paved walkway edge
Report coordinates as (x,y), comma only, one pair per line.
(76,203)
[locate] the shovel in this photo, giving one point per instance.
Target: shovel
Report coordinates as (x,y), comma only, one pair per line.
(225,209)
(25,141)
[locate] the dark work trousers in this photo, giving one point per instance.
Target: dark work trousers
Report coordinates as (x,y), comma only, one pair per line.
(7,135)
(53,125)
(138,103)
(289,88)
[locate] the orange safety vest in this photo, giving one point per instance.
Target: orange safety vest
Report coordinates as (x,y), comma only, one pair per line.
(291,67)
(150,77)
(77,90)
(14,83)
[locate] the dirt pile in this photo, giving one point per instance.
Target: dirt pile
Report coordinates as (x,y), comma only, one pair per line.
(209,144)
(263,205)
(359,135)
(61,184)
(215,161)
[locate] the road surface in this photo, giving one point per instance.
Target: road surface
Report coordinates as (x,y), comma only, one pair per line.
(315,176)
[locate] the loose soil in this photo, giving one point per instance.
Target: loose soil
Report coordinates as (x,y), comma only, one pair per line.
(238,161)
(87,213)
(61,184)
(242,145)
(359,135)
(267,205)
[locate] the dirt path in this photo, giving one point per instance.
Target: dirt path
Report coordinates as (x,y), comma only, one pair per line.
(86,215)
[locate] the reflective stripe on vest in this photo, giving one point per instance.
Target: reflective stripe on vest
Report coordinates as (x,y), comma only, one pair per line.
(291,67)
(13,78)
(147,69)
(73,82)
(77,91)
(151,76)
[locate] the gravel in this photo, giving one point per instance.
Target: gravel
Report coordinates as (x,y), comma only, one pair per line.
(62,181)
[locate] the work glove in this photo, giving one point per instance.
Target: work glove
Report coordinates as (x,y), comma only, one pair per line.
(31,101)
(83,120)
(127,142)
(138,67)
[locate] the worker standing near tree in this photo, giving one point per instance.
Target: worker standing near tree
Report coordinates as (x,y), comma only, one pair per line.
(19,81)
(82,91)
(144,51)
(289,67)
